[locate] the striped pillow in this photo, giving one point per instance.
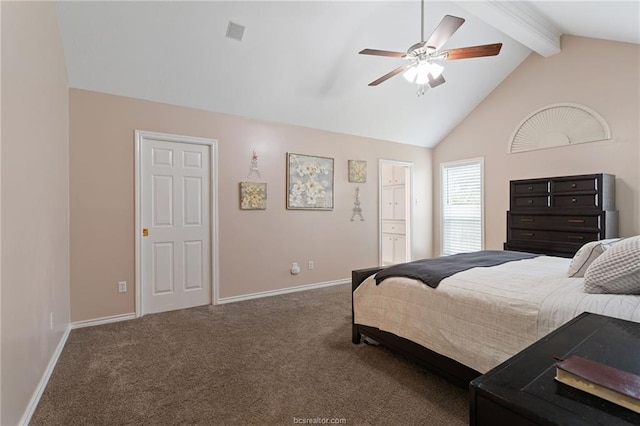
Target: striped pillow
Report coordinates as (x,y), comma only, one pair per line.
(587,254)
(616,271)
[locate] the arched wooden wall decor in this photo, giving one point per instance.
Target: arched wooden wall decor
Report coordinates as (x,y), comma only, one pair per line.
(559,125)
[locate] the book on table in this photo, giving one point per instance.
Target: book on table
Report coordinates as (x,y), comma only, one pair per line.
(604,381)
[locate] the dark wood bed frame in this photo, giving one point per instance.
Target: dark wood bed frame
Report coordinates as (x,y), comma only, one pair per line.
(454,372)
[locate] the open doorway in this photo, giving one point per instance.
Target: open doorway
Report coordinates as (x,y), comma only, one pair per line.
(395,211)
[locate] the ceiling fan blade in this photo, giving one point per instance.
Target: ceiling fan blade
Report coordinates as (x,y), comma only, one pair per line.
(444,31)
(473,51)
(388,75)
(382,53)
(435,82)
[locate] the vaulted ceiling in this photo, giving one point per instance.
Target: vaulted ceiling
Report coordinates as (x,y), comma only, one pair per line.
(298,62)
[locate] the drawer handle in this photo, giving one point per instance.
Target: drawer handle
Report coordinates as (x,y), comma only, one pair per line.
(531,188)
(574,200)
(574,186)
(527,220)
(528,234)
(575,237)
(530,201)
(576,220)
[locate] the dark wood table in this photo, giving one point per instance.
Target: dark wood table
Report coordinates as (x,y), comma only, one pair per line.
(523,391)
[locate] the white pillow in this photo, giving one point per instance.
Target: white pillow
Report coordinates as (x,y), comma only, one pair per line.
(617,271)
(587,254)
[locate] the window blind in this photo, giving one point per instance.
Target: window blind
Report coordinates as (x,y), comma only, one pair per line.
(461,206)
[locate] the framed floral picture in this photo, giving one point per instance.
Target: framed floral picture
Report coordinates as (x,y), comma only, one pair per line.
(357,171)
(309,182)
(253,196)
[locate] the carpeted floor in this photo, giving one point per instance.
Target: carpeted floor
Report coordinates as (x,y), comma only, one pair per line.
(270,361)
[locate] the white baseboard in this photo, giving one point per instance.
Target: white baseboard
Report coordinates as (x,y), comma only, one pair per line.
(281,291)
(103,320)
(35,399)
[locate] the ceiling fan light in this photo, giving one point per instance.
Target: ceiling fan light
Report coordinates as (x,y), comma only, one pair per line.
(436,70)
(410,74)
(423,76)
(419,72)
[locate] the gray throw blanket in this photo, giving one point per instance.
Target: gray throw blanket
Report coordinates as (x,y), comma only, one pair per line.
(432,271)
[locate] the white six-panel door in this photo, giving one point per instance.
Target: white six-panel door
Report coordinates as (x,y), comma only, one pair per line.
(175,203)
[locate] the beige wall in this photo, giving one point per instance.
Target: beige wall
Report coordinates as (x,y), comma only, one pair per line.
(607,81)
(35,203)
(256,248)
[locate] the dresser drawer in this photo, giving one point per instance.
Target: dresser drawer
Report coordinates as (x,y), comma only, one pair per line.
(535,221)
(540,201)
(393,227)
(571,201)
(580,237)
(521,188)
(587,184)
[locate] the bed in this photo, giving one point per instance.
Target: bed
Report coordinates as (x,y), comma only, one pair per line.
(477,318)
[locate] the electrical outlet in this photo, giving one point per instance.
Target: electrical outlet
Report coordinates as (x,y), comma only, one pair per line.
(122,287)
(51,321)
(310,264)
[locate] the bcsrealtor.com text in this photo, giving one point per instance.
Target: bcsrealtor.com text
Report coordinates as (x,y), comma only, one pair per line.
(319,421)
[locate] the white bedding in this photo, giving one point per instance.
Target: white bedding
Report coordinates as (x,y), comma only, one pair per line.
(483,316)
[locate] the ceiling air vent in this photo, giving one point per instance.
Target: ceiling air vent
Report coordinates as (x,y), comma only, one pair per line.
(235,31)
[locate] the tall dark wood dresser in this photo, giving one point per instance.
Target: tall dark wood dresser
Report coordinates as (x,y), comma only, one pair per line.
(557,215)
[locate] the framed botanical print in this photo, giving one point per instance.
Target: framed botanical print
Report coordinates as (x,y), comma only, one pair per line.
(253,196)
(309,182)
(357,171)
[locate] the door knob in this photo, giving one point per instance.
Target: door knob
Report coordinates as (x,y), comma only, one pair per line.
(145,232)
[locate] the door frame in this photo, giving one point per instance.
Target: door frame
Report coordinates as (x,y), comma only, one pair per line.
(409,212)
(140,137)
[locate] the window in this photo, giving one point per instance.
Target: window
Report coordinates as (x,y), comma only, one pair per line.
(461,206)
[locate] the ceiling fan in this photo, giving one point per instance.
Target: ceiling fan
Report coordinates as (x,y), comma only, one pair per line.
(423,67)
